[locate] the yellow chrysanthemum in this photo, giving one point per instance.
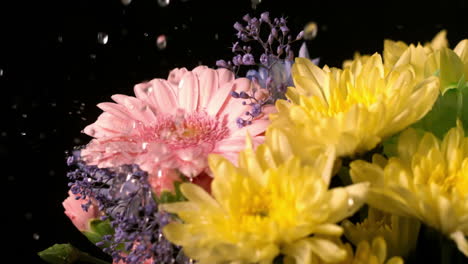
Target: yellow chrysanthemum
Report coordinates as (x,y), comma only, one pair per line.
(262,209)
(357,57)
(351,109)
(400,233)
(393,50)
(427,180)
(375,253)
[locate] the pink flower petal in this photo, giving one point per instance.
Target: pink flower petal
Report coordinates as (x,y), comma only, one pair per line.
(188,92)
(137,108)
(162,96)
(117,110)
(218,99)
(256,128)
(208,86)
(176,75)
(224,76)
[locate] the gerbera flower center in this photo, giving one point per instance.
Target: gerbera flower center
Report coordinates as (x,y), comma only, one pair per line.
(183,130)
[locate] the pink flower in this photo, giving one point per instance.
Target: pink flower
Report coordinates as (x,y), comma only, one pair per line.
(77,215)
(173,124)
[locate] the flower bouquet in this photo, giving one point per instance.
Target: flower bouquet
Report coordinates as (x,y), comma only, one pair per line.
(273,159)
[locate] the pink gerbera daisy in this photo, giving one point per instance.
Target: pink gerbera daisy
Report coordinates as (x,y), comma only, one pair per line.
(173,124)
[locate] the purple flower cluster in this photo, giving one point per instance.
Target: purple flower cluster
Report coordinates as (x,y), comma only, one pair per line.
(275,61)
(124,195)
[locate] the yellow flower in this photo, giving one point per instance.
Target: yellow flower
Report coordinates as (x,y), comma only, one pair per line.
(351,109)
(262,209)
(427,180)
(375,253)
(393,50)
(400,233)
(357,57)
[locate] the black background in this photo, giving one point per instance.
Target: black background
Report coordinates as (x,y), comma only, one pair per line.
(54,71)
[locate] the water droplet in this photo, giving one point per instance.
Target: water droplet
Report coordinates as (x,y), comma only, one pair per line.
(163,3)
(70,113)
(216,36)
(310,30)
(28,215)
(324,28)
(23,133)
(36,236)
(350,201)
(4,134)
(255,3)
(83,118)
(42,135)
(145,34)
(161,42)
(126,2)
(51,173)
(24,116)
(184,26)
(60,39)
(76,140)
(1,72)
(53,104)
(14,106)
(92,56)
(102,38)
(11,178)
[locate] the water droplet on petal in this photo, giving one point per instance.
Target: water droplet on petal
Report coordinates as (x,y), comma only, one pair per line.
(126,2)
(350,202)
(102,38)
(36,236)
(161,42)
(163,3)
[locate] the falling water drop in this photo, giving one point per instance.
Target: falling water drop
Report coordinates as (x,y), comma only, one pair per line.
(161,42)
(102,38)
(126,2)
(60,39)
(23,133)
(36,236)
(255,3)
(310,31)
(163,3)
(1,72)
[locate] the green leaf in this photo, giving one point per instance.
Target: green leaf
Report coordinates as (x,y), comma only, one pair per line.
(390,145)
(60,254)
(171,197)
(98,229)
(450,106)
(67,254)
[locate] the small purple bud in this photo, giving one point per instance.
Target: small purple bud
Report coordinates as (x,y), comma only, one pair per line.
(237,60)
(276,20)
(246,18)
(235,47)
(279,50)
(238,26)
(291,55)
(248,59)
(284,29)
(244,102)
(240,122)
(248,49)
(264,59)
(288,48)
(254,23)
(249,122)
(244,95)
(247,113)
(244,37)
(300,35)
(234,94)
(222,64)
(270,40)
(283,20)
(265,17)
(274,32)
